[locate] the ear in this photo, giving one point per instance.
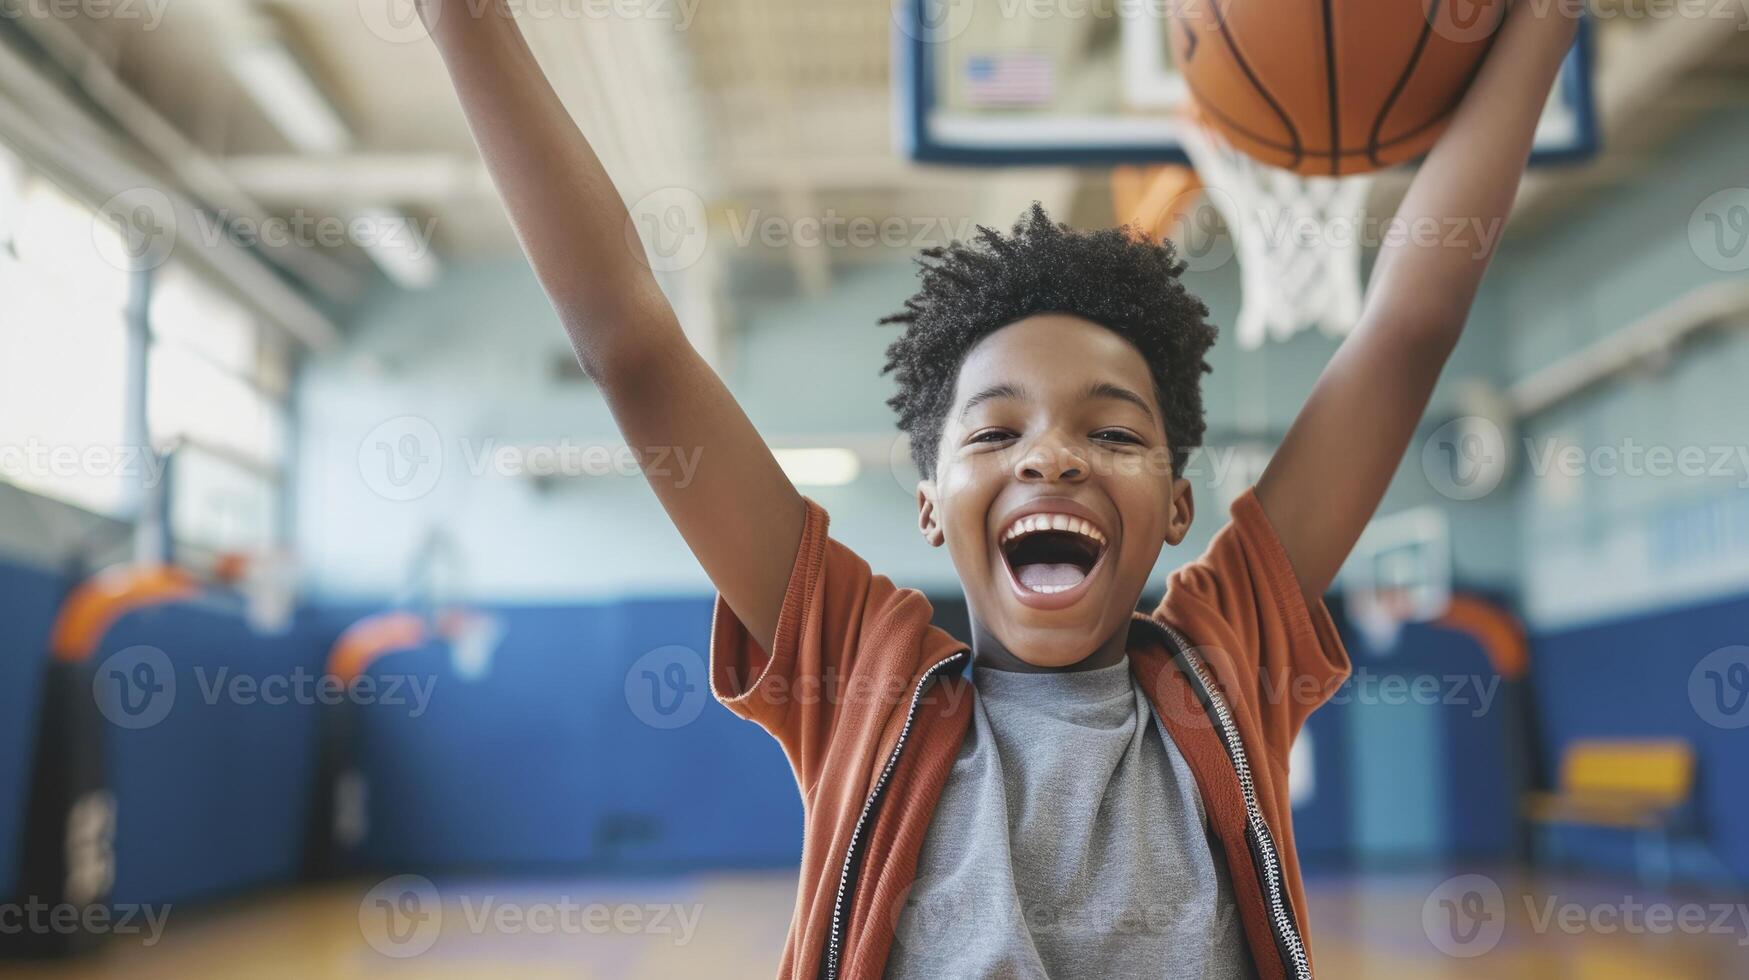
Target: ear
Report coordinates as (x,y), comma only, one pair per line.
(928,521)
(1183,511)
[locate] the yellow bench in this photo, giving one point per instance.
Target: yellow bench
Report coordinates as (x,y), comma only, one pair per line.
(1636,785)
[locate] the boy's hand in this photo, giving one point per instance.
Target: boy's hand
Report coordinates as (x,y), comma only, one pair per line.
(1326,480)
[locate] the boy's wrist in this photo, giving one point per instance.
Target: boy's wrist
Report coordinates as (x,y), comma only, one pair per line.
(448,17)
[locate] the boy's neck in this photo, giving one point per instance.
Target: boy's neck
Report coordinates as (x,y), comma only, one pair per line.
(989,652)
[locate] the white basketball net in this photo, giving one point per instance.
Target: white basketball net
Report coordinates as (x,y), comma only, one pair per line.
(1298,240)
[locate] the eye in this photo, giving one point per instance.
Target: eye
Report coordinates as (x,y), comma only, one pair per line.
(1118,435)
(991,435)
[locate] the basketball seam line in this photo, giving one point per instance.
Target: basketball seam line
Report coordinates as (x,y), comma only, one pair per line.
(1330,88)
(1267,143)
(1256,83)
(1378,123)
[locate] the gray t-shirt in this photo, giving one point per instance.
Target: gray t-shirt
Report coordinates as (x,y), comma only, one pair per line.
(1070,841)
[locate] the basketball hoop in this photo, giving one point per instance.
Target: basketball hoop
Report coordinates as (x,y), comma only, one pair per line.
(268,583)
(1297,239)
(1379,617)
(1398,573)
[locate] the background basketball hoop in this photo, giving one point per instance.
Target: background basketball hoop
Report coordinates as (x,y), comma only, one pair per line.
(1297,238)
(1399,573)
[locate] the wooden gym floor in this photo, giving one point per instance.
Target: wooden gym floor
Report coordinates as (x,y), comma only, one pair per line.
(1383,926)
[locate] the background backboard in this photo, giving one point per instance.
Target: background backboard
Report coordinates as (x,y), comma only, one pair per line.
(1017,82)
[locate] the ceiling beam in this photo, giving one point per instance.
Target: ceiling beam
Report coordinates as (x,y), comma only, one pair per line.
(433,179)
(75,148)
(204,178)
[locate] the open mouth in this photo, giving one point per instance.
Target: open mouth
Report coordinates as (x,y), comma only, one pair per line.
(1052,553)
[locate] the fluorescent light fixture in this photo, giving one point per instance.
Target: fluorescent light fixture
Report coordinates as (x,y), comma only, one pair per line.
(398,246)
(284,90)
(832,467)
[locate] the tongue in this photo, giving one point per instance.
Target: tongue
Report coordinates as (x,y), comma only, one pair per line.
(1049,575)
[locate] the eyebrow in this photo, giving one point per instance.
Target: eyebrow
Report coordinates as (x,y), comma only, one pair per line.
(1096,390)
(1105,389)
(1003,390)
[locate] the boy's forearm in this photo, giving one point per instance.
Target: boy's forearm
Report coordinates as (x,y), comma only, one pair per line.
(565,210)
(1331,470)
(1465,188)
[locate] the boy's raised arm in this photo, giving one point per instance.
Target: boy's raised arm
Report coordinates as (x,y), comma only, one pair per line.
(1326,480)
(736,509)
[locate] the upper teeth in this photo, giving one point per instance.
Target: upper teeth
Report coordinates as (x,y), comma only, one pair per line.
(1052,522)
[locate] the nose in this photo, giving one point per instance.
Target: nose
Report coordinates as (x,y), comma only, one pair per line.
(1050,461)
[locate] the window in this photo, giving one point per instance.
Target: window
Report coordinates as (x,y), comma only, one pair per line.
(215,379)
(63,348)
(215,390)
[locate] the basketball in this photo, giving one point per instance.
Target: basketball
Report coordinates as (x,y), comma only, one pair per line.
(1332,88)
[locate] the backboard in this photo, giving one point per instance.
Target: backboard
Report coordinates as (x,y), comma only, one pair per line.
(1029,82)
(1399,572)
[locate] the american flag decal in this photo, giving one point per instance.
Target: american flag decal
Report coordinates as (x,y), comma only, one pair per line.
(1016,78)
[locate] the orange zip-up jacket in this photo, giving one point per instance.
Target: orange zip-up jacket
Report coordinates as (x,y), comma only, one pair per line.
(867,700)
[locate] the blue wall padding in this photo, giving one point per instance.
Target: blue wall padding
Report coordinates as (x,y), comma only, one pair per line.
(28,600)
(1631,678)
(213,797)
(541,760)
(1322,824)
(1474,771)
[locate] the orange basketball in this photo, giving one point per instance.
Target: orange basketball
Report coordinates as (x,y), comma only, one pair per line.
(1334,86)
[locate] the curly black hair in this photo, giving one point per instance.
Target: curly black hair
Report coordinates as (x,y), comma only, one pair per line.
(1113,277)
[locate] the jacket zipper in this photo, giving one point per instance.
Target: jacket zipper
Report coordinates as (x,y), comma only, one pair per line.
(835,940)
(1281,915)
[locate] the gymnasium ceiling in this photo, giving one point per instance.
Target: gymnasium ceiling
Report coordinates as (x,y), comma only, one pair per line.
(780,107)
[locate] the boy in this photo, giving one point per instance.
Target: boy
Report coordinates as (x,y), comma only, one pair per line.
(1107,794)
